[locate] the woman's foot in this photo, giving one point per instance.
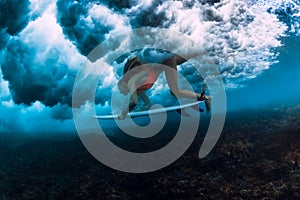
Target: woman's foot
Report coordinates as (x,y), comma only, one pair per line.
(202,95)
(206,99)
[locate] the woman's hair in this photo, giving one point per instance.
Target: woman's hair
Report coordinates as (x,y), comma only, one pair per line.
(130,64)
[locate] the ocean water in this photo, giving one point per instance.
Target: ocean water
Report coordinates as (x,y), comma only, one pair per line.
(253,44)
(279,86)
(52,83)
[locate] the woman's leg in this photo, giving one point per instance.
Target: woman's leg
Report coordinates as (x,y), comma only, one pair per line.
(145,98)
(172,79)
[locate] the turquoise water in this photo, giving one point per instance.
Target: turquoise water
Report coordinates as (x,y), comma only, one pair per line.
(255,45)
(44,44)
(277,86)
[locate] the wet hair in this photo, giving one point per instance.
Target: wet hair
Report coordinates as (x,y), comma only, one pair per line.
(130,64)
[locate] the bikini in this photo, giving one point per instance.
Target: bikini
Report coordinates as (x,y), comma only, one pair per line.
(152,77)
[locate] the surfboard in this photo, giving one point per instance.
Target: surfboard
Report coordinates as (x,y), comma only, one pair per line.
(179,108)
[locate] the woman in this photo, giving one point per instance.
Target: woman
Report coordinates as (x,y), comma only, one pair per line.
(140,80)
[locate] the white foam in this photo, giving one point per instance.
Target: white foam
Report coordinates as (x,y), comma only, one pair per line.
(46,36)
(290,7)
(104,16)
(242,41)
(239,37)
(4,90)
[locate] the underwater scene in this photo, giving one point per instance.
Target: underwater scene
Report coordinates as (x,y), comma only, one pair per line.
(149,99)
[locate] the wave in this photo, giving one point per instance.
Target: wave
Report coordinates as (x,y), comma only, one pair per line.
(241,37)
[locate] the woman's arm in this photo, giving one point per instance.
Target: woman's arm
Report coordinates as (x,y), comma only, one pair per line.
(132,87)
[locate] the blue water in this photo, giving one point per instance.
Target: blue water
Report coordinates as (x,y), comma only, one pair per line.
(277,86)
(45,43)
(43,47)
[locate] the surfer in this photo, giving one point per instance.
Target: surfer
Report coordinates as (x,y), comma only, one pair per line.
(145,78)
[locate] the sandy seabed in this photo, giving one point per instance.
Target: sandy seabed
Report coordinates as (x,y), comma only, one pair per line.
(257,157)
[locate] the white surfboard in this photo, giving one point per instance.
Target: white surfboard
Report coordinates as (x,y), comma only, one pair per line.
(179,108)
